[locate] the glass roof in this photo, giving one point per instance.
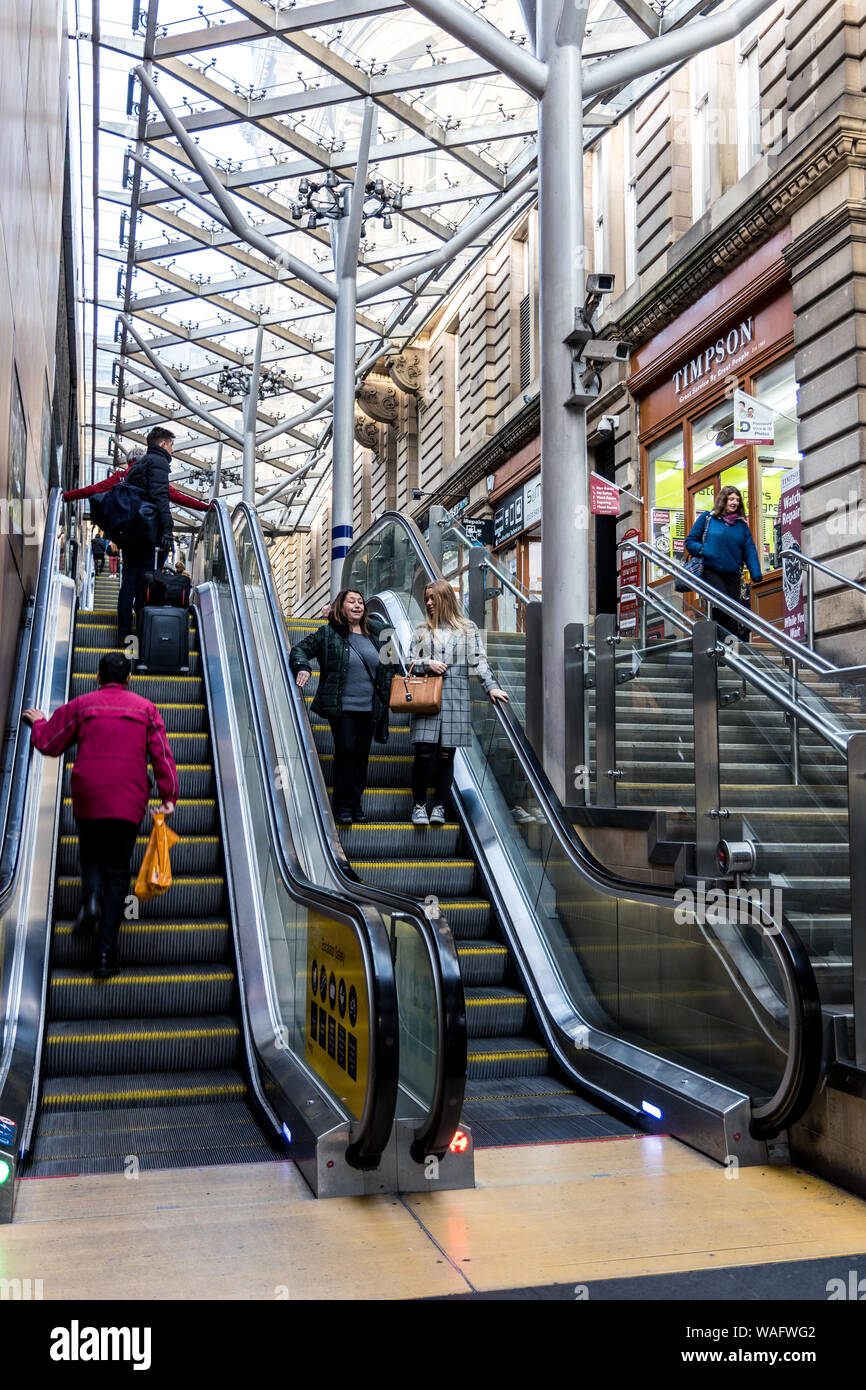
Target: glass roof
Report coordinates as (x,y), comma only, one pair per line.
(272,93)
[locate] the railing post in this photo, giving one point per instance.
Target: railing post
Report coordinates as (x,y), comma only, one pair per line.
(705,705)
(477,581)
(606,773)
(534,713)
(795,723)
(857,870)
(435,526)
(576,752)
(810,607)
(642,583)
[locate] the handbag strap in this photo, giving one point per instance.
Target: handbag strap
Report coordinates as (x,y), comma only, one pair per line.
(361,657)
(706,528)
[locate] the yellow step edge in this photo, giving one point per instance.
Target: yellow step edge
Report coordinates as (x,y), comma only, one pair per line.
(143,839)
(509,999)
(414,864)
(158,1033)
(124,979)
(81,1097)
(480,950)
(129,927)
(183,879)
(398,825)
(505,1056)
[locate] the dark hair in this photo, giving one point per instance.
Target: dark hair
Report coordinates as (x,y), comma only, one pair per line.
(114,669)
(721,504)
(337,615)
(157,435)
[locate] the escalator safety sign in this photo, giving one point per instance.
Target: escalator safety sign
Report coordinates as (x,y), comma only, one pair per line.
(337,1044)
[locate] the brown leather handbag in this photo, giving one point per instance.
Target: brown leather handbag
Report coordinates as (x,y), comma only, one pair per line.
(416,694)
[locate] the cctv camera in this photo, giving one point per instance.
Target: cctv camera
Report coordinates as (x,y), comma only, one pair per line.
(416,494)
(600,283)
(606,350)
(491,481)
(608,424)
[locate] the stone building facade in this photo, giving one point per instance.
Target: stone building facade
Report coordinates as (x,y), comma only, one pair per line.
(731,206)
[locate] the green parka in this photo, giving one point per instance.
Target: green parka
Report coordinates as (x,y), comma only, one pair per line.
(329,646)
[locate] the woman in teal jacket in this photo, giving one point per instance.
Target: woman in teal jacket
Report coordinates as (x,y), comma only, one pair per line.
(724,542)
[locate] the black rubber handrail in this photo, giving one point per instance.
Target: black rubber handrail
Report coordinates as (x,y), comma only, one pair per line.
(805,1027)
(436,1131)
(377,1121)
(24,693)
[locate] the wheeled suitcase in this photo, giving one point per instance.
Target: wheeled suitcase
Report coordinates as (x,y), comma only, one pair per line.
(163,641)
(166,588)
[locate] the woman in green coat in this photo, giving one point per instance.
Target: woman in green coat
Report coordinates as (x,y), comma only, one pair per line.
(353,693)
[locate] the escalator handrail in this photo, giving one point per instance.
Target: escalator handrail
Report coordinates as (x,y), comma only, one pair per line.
(23,695)
(436,1131)
(805,1026)
(377,1121)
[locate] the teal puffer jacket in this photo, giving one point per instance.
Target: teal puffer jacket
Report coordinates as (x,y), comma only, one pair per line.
(329,646)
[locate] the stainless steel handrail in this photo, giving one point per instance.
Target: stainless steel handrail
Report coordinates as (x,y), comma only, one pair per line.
(795,650)
(825,569)
(522,594)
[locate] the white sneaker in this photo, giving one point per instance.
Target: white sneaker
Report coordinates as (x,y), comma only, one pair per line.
(437,815)
(419,815)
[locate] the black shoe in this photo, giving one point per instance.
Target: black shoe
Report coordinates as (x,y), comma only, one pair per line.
(344,817)
(89,917)
(358,815)
(105,965)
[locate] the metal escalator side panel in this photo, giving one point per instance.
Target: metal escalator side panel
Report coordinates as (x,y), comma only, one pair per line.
(25,920)
(433,947)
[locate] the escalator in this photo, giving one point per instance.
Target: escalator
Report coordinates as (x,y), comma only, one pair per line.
(513,1095)
(223,1038)
(148,1067)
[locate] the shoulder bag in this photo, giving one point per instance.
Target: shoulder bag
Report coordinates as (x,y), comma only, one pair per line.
(695,565)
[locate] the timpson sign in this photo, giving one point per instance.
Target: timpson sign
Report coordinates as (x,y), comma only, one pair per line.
(717,360)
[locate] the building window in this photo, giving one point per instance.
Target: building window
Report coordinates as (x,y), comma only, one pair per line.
(600,252)
(776,387)
(666,479)
(748,103)
(524,291)
(701,165)
(630,176)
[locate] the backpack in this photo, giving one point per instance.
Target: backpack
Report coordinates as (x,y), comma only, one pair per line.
(124,514)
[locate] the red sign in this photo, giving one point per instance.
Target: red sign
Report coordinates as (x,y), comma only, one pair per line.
(629,573)
(603,496)
(460,1143)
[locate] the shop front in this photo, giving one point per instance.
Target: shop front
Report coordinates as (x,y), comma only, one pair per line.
(695,427)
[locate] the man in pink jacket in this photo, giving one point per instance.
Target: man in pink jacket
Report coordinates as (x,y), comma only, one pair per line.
(116,731)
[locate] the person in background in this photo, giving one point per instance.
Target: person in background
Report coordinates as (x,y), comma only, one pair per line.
(113,558)
(725,548)
(353,693)
(149,476)
(180,568)
(116,732)
(447,645)
(97,546)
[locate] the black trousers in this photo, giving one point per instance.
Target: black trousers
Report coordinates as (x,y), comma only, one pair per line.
(433,766)
(728,584)
(99,563)
(105,849)
(353,734)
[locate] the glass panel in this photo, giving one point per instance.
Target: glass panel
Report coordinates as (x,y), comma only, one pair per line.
(776,387)
(713,435)
(665,473)
(655,725)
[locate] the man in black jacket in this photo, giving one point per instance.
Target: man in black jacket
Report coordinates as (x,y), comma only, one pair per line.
(149,476)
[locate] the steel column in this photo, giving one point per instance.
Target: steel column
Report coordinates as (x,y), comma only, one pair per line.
(705,708)
(215,490)
(477,585)
(857,838)
(577,754)
(437,521)
(606,772)
(251,405)
(534,715)
(564,519)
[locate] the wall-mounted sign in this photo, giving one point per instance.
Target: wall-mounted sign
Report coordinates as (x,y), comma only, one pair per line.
(338,1016)
(629,573)
(753,420)
(714,361)
(478,530)
(603,496)
(532,501)
(508,517)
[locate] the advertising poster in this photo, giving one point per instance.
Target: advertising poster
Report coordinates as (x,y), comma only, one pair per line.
(790,531)
(753,421)
(338,1028)
(629,573)
(603,496)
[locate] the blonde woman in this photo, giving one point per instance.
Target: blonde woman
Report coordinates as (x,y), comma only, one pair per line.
(447,645)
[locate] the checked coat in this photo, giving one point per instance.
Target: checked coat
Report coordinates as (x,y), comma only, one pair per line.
(463,654)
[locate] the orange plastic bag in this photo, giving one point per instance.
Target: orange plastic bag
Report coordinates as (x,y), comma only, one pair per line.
(154,876)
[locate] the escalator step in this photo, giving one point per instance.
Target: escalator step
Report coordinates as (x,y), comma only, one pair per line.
(87,660)
(191,817)
(383,769)
(483,963)
(171,689)
(111,1047)
(187,897)
(92,631)
(195,779)
(495,1012)
(148,991)
(495,1057)
(149,943)
(390,838)
(419,877)
(468,919)
(194,854)
(142,1089)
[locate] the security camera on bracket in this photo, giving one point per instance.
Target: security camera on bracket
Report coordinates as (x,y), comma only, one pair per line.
(590,353)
